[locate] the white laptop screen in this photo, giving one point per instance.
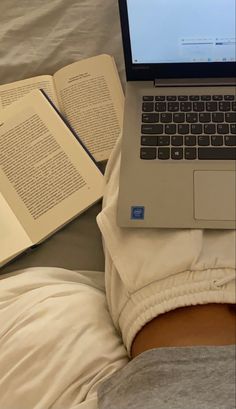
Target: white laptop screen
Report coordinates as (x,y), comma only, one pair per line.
(182,31)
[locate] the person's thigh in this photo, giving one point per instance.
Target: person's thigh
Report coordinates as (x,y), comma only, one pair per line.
(198,325)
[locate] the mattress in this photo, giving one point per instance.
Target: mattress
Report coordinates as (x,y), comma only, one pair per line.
(39,37)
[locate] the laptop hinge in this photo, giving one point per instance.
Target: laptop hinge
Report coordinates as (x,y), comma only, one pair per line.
(194,82)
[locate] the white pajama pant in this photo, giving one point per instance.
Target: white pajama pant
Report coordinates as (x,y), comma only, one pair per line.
(151,271)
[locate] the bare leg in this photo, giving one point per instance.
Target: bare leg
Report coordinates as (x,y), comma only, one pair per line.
(209,324)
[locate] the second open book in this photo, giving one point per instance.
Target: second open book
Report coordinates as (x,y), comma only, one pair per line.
(46,176)
(89,95)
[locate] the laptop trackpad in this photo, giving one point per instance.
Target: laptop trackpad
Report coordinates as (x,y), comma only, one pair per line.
(214,195)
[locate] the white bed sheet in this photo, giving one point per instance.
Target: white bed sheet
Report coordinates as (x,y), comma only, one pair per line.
(57,340)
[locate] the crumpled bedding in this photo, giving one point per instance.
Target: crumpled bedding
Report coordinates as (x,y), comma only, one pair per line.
(39,37)
(57,340)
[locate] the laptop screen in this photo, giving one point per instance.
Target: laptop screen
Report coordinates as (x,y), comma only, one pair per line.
(182,31)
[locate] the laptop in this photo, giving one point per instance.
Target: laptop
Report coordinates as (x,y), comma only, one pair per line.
(179,132)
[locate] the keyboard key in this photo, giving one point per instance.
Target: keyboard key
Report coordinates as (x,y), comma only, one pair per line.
(178,117)
(163,153)
(233,128)
(205,97)
(152,129)
(166,118)
(217,153)
(211,106)
(160,98)
(150,118)
(222,129)
(149,140)
(210,128)
(230,117)
(148,106)
(233,106)
(148,98)
(177,153)
(190,140)
(230,140)
(217,140)
(183,129)
(204,117)
(170,129)
(183,98)
(173,106)
(194,98)
(191,117)
(196,129)
(224,106)
(217,117)
(217,97)
(198,106)
(148,153)
(177,140)
(160,106)
(163,140)
(171,98)
(204,140)
(229,97)
(190,153)
(186,106)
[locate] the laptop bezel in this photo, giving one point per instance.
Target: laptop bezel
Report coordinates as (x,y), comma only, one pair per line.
(151,72)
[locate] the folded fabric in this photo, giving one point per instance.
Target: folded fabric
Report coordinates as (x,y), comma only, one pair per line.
(57,340)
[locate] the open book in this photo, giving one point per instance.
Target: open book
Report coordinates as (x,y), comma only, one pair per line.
(89,95)
(46,176)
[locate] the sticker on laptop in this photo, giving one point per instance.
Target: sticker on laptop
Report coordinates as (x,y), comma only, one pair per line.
(137,212)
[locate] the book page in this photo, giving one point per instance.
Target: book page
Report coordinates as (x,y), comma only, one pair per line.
(13,238)
(91,97)
(46,176)
(10,93)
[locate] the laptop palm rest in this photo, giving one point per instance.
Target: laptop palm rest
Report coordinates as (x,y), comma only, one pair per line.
(214,195)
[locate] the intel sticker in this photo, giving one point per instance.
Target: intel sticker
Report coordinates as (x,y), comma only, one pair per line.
(137,212)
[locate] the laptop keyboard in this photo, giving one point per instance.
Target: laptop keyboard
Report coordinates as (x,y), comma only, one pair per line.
(188,127)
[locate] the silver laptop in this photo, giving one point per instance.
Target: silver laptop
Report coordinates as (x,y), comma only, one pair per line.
(179,134)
